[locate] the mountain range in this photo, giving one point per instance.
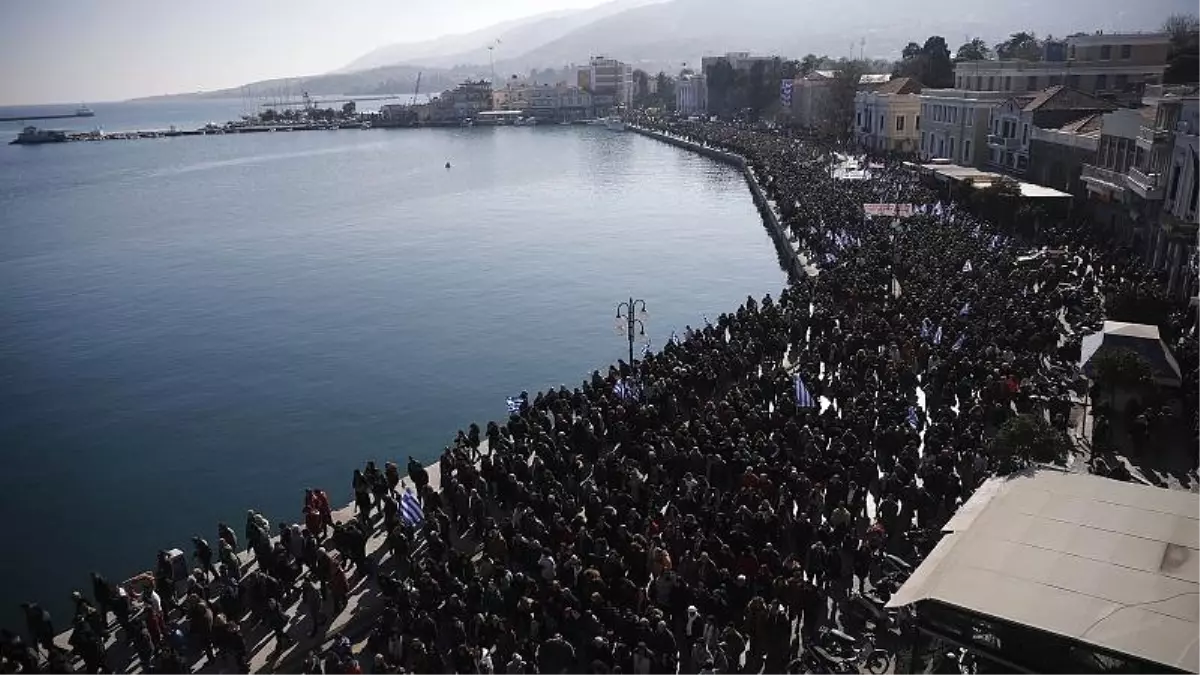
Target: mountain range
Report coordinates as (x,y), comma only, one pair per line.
(663,34)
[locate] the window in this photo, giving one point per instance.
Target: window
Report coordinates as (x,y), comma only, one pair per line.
(881,122)
(1022,162)
(918,123)
(924,144)
(858,119)
(1175,182)
(1105,52)
(978,81)
(1073,81)
(1008,83)
(1126,51)
(1120,82)
(899,122)
(1025,135)
(967,152)
(1101,82)
(941,147)
(1031,83)
(1072,54)
(991,83)
(958,81)
(951,153)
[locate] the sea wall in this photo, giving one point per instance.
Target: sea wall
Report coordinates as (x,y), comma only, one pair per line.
(792,261)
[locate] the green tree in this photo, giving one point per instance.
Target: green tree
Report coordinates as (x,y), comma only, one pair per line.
(1119,369)
(1146,304)
(929,64)
(810,62)
(666,90)
(349,108)
(838,116)
(1028,438)
(1020,45)
(641,86)
(975,50)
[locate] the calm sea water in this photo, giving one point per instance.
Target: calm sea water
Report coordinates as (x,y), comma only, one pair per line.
(190,327)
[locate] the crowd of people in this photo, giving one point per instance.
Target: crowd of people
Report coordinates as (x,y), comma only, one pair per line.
(729,504)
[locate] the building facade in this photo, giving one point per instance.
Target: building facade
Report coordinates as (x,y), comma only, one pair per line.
(1116,66)
(611,79)
(954,124)
(811,98)
(691,95)
(741,62)
(886,118)
(559,102)
(463,102)
(1057,156)
(1013,122)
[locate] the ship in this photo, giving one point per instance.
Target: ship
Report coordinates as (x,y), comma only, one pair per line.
(84,111)
(36,136)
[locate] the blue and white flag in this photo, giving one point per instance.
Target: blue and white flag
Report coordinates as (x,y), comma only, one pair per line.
(959,342)
(995,242)
(937,337)
(627,390)
(514,404)
(410,508)
(830,258)
(646,351)
(926,328)
(674,339)
(803,398)
(967,267)
(966,309)
(913,421)
(785,92)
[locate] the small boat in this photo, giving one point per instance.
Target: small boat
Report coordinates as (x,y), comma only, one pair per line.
(36,136)
(614,124)
(84,111)
(447,165)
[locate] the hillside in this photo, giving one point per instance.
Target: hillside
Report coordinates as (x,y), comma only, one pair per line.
(684,30)
(515,37)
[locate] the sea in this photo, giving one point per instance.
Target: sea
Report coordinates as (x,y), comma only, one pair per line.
(196,326)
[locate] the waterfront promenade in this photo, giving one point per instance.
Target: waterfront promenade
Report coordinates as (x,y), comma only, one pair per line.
(756,473)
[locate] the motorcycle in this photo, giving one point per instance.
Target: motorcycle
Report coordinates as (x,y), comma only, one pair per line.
(838,652)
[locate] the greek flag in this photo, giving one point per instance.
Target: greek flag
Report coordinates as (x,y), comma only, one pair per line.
(626,390)
(646,349)
(966,309)
(937,337)
(674,339)
(995,242)
(926,328)
(803,398)
(410,508)
(514,404)
(959,342)
(912,418)
(967,266)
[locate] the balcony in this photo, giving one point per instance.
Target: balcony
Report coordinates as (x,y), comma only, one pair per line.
(1145,185)
(1099,179)
(1148,136)
(1003,143)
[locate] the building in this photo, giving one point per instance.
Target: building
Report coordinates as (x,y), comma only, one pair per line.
(954,124)
(691,94)
(811,97)
(1013,122)
(611,83)
(463,102)
(741,62)
(885,118)
(559,102)
(1057,156)
(1117,66)
(1168,174)
(1046,571)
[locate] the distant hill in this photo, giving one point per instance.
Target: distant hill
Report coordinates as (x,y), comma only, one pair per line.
(684,30)
(515,37)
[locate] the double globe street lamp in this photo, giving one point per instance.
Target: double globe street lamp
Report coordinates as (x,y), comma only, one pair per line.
(631,321)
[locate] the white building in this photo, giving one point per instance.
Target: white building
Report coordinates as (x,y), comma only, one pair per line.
(691,95)
(954,124)
(885,118)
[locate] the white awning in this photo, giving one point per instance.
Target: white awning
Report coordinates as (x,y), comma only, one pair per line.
(1100,561)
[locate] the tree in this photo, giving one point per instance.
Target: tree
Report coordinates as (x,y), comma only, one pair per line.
(809,63)
(1028,438)
(1122,369)
(975,50)
(997,202)
(1183,60)
(666,90)
(929,64)
(348,109)
(1020,45)
(838,116)
(1144,303)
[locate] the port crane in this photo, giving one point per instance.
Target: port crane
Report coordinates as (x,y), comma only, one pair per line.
(416,89)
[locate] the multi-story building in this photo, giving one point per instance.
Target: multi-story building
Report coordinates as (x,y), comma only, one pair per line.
(1117,66)
(886,118)
(1057,156)
(691,94)
(464,101)
(954,124)
(610,78)
(811,96)
(742,62)
(1013,122)
(559,102)
(1175,243)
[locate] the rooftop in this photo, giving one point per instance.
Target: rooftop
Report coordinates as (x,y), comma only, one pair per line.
(1059,97)
(1088,124)
(1108,563)
(900,85)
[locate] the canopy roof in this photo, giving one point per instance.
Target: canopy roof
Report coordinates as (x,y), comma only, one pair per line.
(1137,337)
(1096,560)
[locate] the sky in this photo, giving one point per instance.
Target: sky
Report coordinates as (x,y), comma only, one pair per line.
(73,51)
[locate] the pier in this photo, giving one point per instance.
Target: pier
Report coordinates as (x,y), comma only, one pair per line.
(61,116)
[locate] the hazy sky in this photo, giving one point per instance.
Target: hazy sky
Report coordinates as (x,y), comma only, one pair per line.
(92,50)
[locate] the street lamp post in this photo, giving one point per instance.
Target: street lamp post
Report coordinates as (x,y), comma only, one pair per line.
(631,316)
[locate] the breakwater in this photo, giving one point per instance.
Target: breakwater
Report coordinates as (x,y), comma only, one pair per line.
(794,262)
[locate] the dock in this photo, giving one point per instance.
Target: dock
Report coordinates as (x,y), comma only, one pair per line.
(61,116)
